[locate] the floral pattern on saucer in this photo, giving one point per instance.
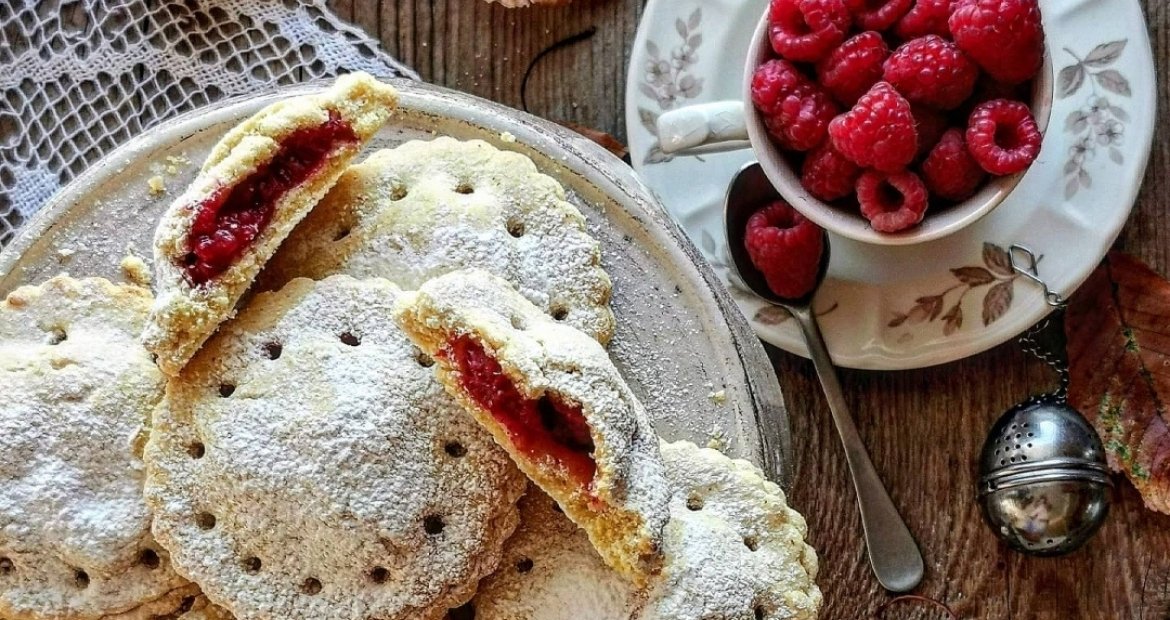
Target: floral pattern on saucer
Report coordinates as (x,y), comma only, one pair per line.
(668,79)
(1099,124)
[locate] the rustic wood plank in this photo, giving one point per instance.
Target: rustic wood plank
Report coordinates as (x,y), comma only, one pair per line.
(485,49)
(924,428)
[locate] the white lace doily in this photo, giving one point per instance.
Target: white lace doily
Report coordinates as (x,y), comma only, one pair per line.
(79,77)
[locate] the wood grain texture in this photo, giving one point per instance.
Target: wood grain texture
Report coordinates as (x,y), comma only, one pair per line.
(924,428)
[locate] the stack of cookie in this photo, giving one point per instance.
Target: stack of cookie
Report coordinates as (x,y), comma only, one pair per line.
(411,416)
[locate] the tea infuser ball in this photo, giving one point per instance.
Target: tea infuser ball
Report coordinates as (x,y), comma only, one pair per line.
(1044,485)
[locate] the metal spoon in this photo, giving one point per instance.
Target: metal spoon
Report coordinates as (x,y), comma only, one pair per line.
(893,554)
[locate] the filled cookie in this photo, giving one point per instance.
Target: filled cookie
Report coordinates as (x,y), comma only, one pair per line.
(733,550)
(259,181)
(552,398)
(733,547)
(75,536)
(551,572)
(424,209)
(306,464)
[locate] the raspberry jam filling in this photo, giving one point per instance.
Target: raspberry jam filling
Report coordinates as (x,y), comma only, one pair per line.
(545,429)
(229,220)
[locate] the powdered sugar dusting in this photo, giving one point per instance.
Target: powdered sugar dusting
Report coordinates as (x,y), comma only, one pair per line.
(551,572)
(185,315)
(307,465)
(78,390)
(544,356)
(733,548)
(424,209)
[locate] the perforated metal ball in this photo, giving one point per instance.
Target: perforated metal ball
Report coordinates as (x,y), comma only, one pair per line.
(1044,487)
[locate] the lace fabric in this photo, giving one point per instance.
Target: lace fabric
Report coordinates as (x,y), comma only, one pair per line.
(78,78)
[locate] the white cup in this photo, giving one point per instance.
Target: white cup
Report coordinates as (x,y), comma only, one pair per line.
(733,125)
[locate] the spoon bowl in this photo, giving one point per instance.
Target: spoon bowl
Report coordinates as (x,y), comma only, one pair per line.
(893,555)
(750,189)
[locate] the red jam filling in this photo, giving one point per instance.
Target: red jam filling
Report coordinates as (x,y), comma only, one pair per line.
(229,220)
(546,429)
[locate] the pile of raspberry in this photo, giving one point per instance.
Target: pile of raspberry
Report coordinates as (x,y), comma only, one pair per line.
(893,129)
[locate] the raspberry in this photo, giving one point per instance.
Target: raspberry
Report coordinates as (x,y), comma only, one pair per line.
(850,70)
(877,14)
(1003,137)
(827,175)
(796,111)
(949,170)
(878,132)
(803,121)
(786,247)
(807,30)
(930,124)
(1004,37)
(229,220)
(932,71)
(772,82)
(926,17)
(891,201)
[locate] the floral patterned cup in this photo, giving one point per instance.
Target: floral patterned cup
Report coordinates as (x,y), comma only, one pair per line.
(730,125)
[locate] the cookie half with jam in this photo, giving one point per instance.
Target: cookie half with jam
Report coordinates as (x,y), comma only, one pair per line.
(262,178)
(550,395)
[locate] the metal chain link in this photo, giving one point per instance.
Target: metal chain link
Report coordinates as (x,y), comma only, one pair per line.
(1046,340)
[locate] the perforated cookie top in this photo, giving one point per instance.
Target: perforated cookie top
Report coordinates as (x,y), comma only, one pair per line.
(78,391)
(734,549)
(185,314)
(306,464)
(625,506)
(425,209)
(551,572)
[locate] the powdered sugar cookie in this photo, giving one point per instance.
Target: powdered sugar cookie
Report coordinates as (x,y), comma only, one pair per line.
(552,398)
(733,547)
(307,464)
(733,551)
(256,185)
(424,209)
(551,572)
(78,390)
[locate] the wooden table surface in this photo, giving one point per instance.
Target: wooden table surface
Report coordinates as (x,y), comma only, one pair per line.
(924,428)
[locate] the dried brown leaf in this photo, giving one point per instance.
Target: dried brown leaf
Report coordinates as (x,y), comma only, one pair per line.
(1118,328)
(607,141)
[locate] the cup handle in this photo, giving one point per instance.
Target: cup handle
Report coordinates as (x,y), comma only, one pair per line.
(704,128)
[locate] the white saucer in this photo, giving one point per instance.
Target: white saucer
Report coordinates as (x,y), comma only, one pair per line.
(909,307)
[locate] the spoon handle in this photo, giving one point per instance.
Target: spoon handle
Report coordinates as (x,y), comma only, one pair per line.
(893,554)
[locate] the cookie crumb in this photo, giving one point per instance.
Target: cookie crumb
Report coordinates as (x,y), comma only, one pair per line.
(135,270)
(508,137)
(717,439)
(718,397)
(174,162)
(156,185)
